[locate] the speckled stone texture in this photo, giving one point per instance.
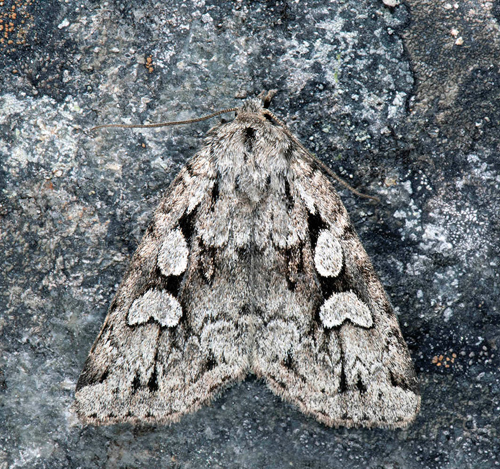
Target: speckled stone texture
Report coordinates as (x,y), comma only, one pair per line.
(403,102)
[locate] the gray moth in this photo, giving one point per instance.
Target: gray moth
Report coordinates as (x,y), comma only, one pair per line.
(250,265)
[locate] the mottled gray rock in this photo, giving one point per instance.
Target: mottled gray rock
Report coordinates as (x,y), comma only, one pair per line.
(404,102)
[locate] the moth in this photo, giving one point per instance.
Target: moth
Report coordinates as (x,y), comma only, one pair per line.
(250,265)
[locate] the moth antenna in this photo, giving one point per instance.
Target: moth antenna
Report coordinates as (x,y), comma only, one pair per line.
(163,124)
(328,170)
(267,97)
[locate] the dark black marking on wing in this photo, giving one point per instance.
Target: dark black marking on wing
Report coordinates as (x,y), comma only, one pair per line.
(295,265)
(249,138)
(207,262)
(289,200)
(315,225)
(187,224)
(214,195)
(153,380)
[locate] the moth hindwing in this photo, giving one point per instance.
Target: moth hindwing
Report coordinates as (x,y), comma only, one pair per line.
(251,265)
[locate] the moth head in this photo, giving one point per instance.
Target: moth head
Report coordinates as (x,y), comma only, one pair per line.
(258,104)
(251,106)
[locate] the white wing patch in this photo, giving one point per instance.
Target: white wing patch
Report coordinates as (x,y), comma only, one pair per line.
(328,255)
(342,306)
(173,255)
(155,304)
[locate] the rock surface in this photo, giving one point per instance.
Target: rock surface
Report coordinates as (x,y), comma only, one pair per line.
(401,99)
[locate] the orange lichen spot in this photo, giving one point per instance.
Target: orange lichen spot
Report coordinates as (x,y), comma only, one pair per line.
(16,20)
(48,186)
(149,64)
(444,360)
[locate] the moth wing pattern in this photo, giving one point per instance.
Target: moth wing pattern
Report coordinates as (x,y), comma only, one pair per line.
(251,265)
(156,357)
(334,348)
